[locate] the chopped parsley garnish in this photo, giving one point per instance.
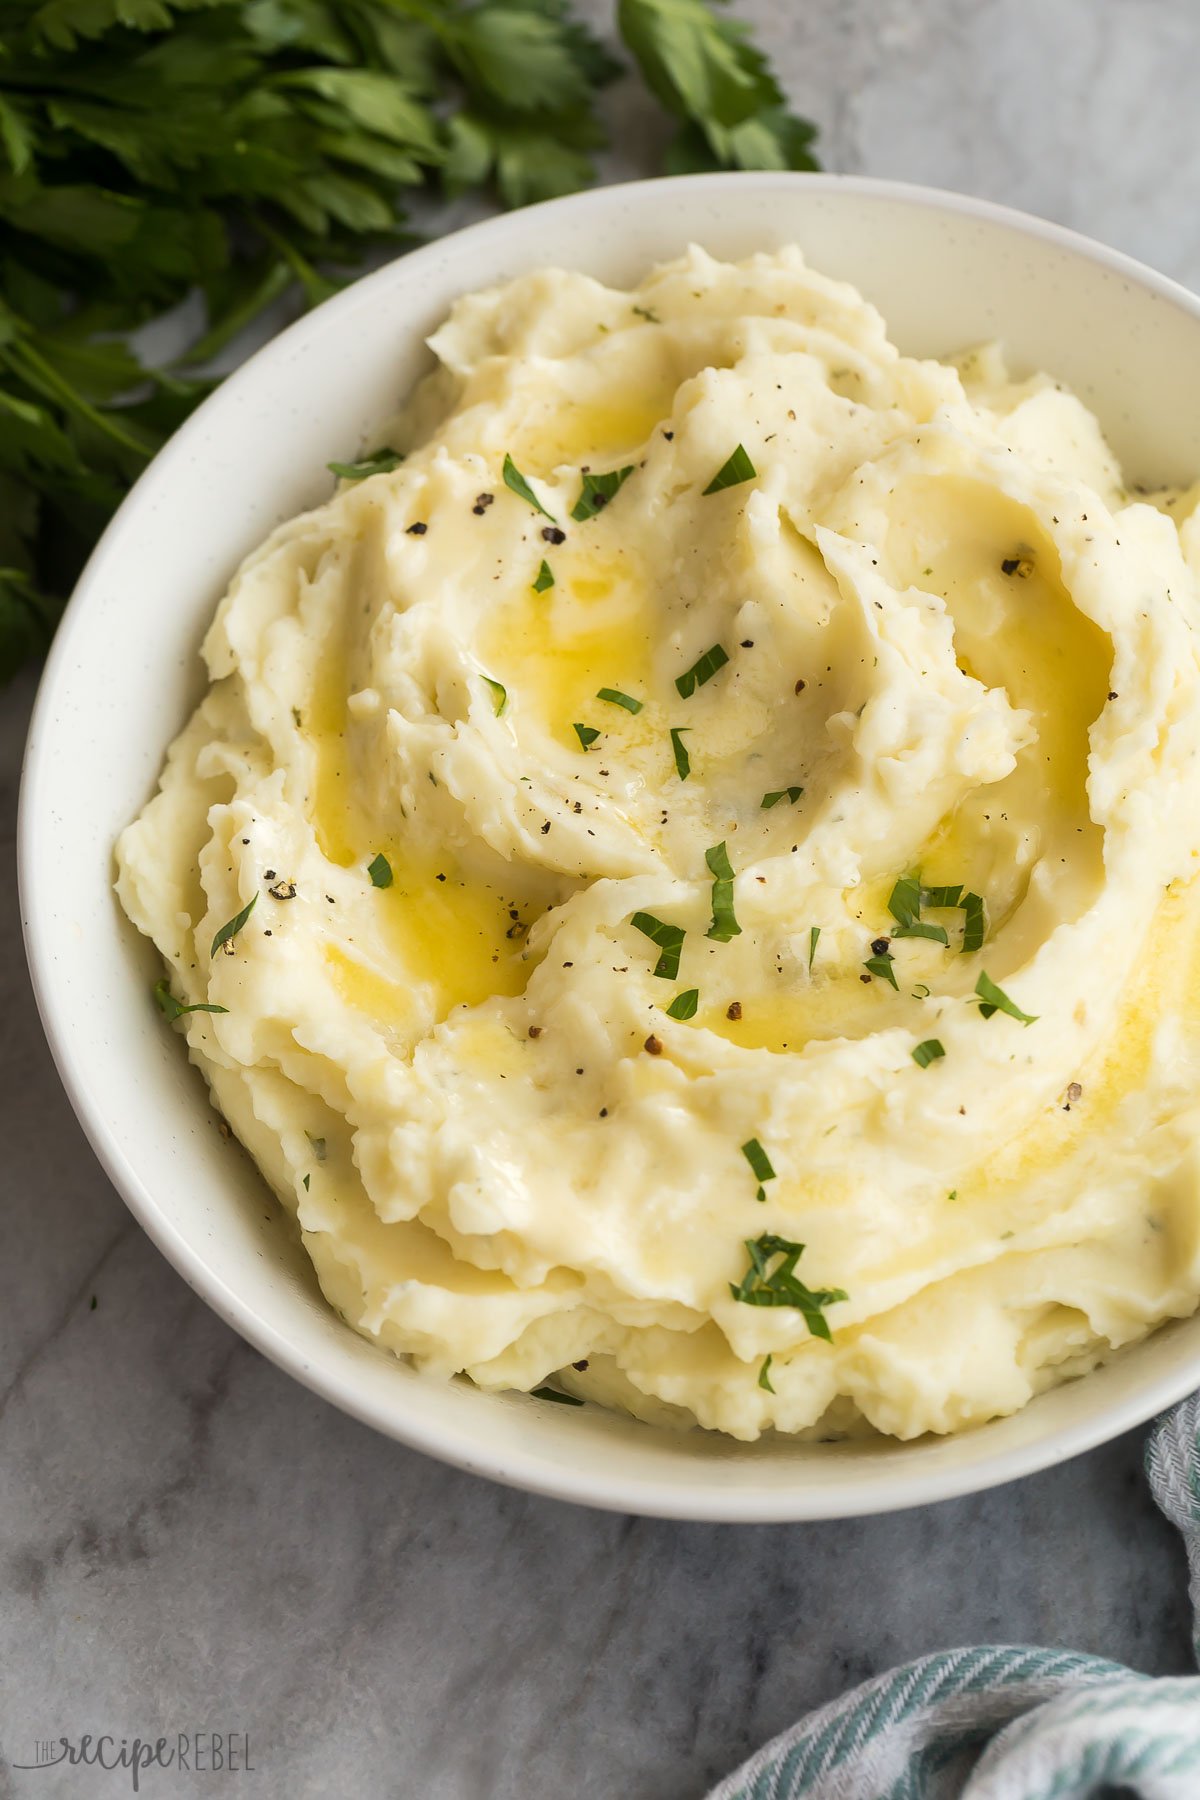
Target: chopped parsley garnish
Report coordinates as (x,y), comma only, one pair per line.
(684,1005)
(701,671)
(597,491)
(307,1182)
(733,472)
(763,1285)
(514,480)
(549,1393)
(764,1375)
(318,1146)
(814,937)
(791,794)
(615,697)
(994,999)
(683,762)
(173,1009)
(669,939)
(942,896)
(724,925)
(760,1162)
(499,695)
(587,734)
(880,964)
(928,1052)
(908,897)
(380,871)
(381,463)
(974,921)
(648,313)
(231,928)
(904,904)
(544,578)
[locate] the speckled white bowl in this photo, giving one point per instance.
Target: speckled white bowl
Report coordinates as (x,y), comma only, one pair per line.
(946,272)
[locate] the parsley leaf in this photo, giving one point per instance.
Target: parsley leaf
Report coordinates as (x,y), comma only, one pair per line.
(764,1374)
(380,871)
(173,1009)
(514,479)
(763,1285)
(994,999)
(736,469)
(705,70)
(724,924)
(668,938)
(701,671)
(928,1052)
(791,794)
(499,695)
(615,697)
(587,734)
(597,491)
(683,762)
(231,927)
(549,1393)
(381,462)
(544,578)
(684,1005)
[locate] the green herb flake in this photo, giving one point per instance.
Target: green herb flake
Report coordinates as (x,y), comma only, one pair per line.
(683,762)
(974,922)
(668,938)
(791,794)
(684,1005)
(814,938)
(928,1052)
(764,1375)
(549,1393)
(904,902)
(701,671)
(724,924)
(380,871)
(764,1285)
(381,463)
(307,1182)
(615,697)
(994,999)
(648,313)
(173,1009)
(587,734)
(544,578)
(499,695)
(942,896)
(514,480)
(318,1146)
(231,928)
(880,965)
(736,469)
(953,1194)
(758,1159)
(597,491)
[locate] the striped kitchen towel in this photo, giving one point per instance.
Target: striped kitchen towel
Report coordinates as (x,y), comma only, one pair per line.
(1005,1723)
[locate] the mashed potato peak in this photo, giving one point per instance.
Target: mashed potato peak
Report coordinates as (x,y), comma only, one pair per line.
(665,797)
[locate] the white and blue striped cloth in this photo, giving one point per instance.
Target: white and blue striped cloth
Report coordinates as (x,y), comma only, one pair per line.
(1004,1723)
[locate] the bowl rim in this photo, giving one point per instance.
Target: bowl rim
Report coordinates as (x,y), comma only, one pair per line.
(512,1466)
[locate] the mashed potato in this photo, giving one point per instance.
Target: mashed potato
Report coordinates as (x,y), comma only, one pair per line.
(718,819)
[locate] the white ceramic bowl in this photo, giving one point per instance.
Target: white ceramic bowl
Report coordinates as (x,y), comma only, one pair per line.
(124,672)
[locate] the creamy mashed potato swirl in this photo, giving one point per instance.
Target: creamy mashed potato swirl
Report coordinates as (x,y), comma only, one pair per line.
(895,635)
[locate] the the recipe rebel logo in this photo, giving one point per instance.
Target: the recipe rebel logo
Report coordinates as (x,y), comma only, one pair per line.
(194,1752)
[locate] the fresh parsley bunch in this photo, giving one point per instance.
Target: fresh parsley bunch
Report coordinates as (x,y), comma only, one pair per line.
(243,150)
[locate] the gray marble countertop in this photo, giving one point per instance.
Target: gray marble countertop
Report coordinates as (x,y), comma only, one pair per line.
(189,1541)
